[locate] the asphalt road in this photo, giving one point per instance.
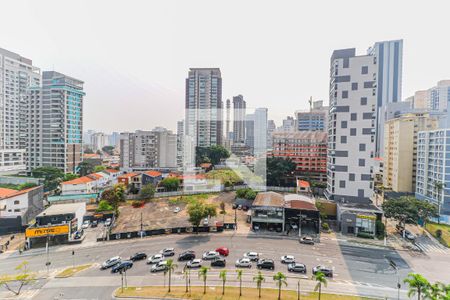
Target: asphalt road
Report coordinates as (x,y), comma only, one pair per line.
(361,267)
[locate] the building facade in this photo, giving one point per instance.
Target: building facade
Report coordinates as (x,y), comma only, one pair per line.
(307,149)
(351,126)
(433,168)
(400,150)
(99,140)
(204,107)
(239,106)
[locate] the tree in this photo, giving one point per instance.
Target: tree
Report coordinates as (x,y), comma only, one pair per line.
(88,151)
(103,205)
(280,279)
(239,277)
(223,276)
(52,176)
(99,169)
(85,167)
(23,278)
(439,186)
(114,196)
(435,291)
(187,275)
(408,209)
(147,191)
(170,183)
(203,274)
(198,210)
(259,278)
(213,154)
(108,149)
(417,285)
(171,266)
(70,176)
(278,169)
(321,279)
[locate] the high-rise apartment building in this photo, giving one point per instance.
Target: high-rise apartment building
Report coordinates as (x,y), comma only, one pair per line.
(351,126)
(17,75)
(142,150)
(314,119)
(433,165)
(307,149)
(400,150)
(256,131)
(180,143)
(239,107)
(99,140)
(271,127)
(289,124)
(204,107)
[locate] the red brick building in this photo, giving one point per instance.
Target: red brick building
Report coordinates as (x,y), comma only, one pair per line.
(308,149)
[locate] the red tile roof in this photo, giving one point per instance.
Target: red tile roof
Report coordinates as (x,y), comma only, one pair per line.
(111,171)
(81,180)
(8,193)
(302,205)
(153,173)
(303,183)
(128,175)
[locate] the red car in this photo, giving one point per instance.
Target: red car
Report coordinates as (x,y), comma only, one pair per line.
(223,251)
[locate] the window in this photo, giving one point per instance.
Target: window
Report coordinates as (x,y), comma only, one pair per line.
(16,202)
(342,183)
(353,131)
(343,139)
(364,70)
(343,124)
(363,101)
(361,162)
(354,86)
(351,176)
(344,94)
(353,116)
(362,147)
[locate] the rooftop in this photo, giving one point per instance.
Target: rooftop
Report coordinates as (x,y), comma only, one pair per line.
(8,193)
(153,173)
(128,175)
(302,135)
(269,199)
(81,180)
(61,209)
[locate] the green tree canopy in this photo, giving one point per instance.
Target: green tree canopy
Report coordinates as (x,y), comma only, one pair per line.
(52,176)
(70,176)
(278,169)
(22,278)
(86,167)
(417,285)
(198,210)
(104,205)
(108,149)
(99,169)
(408,209)
(170,183)
(147,191)
(213,154)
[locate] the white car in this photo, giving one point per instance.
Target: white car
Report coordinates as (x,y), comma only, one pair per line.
(168,251)
(210,255)
(85,224)
(243,263)
(161,266)
(176,209)
(108,222)
(288,259)
(157,258)
(253,256)
(205,221)
(195,263)
(111,262)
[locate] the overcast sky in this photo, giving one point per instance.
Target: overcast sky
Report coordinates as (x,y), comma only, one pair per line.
(134,55)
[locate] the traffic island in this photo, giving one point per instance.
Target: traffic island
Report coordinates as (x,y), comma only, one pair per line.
(215,293)
(69,272)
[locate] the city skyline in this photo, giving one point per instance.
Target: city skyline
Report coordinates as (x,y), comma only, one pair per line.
(148,66)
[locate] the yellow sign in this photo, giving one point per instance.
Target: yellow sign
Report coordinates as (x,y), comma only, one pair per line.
(44,231)
(366,217)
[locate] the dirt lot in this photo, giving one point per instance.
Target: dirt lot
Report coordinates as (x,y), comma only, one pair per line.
(159,213)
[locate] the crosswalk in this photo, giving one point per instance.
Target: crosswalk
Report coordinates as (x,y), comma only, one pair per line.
(427,245)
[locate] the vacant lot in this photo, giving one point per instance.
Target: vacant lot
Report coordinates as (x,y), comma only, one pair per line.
(445,229)
(159,213)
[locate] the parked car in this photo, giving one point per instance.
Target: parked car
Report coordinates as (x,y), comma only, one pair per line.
(186,255)
(325,270)
(209,255)
(243,263)
(111,262)
(154,259)
(176,209)
(234,206)
(138,256)
(108,222)
(223,251)
(167,252)
(307,240)
(253,256)
(195,263)
(288,259)
(85,224)
(205,221)
(161,266)
(218,262)
(294,226)
(78,234)
(409,235)
(297,268)
(245,208)
(266,264)
(122,266)
(94,223)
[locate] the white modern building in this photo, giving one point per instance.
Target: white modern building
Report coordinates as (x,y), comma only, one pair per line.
(256,131)
(351,126)
(99,140)
(17,75)
(433,168)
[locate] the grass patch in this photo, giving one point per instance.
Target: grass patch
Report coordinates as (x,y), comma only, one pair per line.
(215,293)
(72,271)
(445,230)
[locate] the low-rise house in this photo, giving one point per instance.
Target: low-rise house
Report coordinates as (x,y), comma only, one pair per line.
(82,185)
(18,208)
(151,177)
(113,175)
(130,179)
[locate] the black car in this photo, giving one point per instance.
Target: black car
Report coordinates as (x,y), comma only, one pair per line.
(265,264)
(122,266)
(94,224)
(235,206)
(218,262)
(328,272)
(186,256)
(78,234)
(138,256)
(297,268)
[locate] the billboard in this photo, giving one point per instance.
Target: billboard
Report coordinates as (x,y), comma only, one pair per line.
(44,231)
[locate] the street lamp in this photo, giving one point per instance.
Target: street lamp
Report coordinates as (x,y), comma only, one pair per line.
(395,267)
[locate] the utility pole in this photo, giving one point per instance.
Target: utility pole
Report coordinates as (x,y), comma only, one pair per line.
(142,227)
(47,264)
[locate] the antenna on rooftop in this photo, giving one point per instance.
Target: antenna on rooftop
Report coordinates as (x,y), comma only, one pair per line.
(310,103)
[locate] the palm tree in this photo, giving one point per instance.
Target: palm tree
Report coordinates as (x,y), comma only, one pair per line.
(239,277)
(417,285)
(321,280)
(435,291)
(203,273)
(259,280)
(439,186)
(280,278)
(223,276)
(186,275)
(171,266)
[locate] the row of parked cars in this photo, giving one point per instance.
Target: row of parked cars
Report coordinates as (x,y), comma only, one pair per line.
(216,258)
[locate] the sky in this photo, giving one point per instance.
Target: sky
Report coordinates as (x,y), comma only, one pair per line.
(134,56)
